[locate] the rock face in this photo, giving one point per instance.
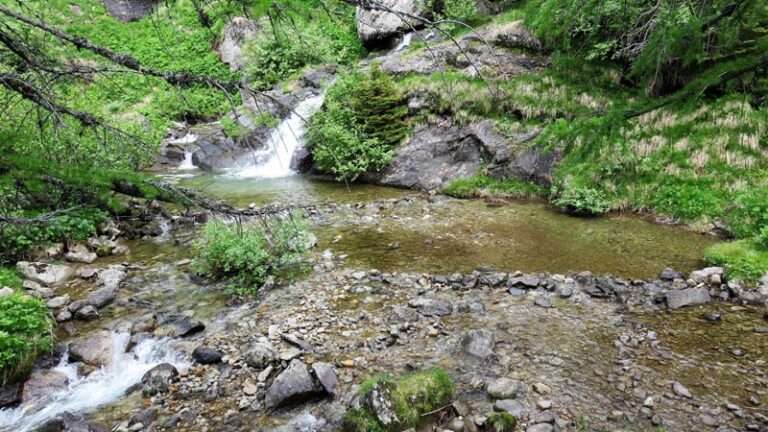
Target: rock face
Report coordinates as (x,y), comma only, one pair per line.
(46,274)
(236,32)
(687,297)
(294,384)
(378,26)
(95,349)
(129,10)
(158,379)
(437,154)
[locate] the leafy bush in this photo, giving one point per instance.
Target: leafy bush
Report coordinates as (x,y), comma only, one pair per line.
(9,277)
(246,255)
(362,123)
(742,259)
(25,332)
(761,240)
(414,396)
(581,200)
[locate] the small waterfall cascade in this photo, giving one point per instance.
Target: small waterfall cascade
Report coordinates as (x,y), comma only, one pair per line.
(405,43)
(187,163)
(275,160)
(101,387)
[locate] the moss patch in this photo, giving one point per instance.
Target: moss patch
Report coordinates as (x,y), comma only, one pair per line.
(413,396)
(501,422)
(742,259)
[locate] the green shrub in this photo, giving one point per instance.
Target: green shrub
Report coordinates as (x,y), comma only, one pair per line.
(581,200)
(484,186)
(761,240)
(246,255)
(741,259)
(501,422)
(362,123)
(9,277)
(413,395)
(25,332)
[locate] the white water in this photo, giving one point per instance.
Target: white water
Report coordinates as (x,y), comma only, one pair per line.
(187,163)
(101,387)
(275,160)
(405,42)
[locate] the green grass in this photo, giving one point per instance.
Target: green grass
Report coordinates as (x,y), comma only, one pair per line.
(742,259)
(481,186)
(414,395)
(9,277)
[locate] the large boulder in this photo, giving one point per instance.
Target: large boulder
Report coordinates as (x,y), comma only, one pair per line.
(234,36)
(95,349)
(377,25)
(42,383)
(687,297)
(46,274)
(158,379)
(295,384)
(130,10)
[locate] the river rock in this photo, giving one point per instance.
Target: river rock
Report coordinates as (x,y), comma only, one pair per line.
(57,302)
(235,34)
(158,379)
(144,324)
(478,343)
(326,375)
(205,355)
(10,395)
(181,327)
(670,274)
(46,274)
(80,254)
(87,313)
(527,281)
(260,355)
(504,388)
(293,385)
(112,276)
(41,383)
(540,427)
(431,307)
(510,406)
(706,274)
(375,26)
(680,390)
(687,297)
(95,349)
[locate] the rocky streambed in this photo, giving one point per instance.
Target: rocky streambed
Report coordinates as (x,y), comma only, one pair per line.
(406,282)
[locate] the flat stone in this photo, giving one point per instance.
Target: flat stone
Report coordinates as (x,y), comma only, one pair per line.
(527,281)
(687,297)
(504,388)
(290,354)
(680,390)
(510,406)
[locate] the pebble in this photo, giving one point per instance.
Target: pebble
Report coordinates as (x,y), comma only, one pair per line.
(542,389)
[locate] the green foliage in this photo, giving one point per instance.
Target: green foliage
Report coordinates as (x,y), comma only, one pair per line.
(246,255)
(362,124)
(9,277)
(25,332)
(761,240)
(742,259)
(484,186)
(501,422)
(414,395)
(580,200)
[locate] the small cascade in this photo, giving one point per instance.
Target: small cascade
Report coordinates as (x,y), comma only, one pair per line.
(275,160)
(165,229)
(187,163)
(405,43)
(101,387)
(189,138)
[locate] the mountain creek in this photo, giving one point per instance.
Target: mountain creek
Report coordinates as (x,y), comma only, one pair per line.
(499,295)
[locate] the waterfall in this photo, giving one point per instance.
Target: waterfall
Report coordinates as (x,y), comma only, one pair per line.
(101,387)
(404,43)
(189,138)
(275,160)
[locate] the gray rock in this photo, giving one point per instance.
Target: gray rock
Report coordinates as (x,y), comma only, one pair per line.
(129,10)
(669,274)
(478,343)
(504,388)
(381,403)
(705,275)
(687,297)
(260,355)
(515,35)
(527,281)
(10,394)
(95,349)
(144,324)
(42,383)
(5,292)
(206,355)
(46,274)
(680,390)
(63,316)
(509,406)
(544,417)
(57,302)
(517,292)
(376,25)
(235,34)
(112,276)
(493,279)
(540,427)
(293,385)
(181,327)
(543,302)
(326,375)
(158,379)
(80,254)
(86,313)
(99,298)
(432,307)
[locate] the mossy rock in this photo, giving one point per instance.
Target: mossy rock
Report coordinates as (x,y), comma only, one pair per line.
(388,405)
(501,422)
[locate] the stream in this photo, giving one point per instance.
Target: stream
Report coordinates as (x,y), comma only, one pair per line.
(603,360)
